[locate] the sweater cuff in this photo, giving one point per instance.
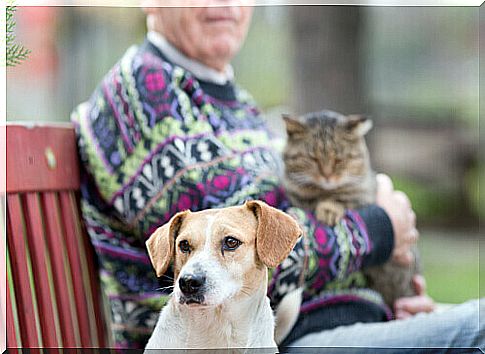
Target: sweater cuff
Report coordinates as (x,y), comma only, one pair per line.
(381,234)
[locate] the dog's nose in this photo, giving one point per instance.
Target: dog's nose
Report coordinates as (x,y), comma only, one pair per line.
(190,284)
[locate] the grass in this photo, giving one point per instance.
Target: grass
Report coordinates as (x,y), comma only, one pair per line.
(451,265)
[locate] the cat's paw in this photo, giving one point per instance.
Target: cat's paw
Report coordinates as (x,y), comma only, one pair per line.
(329,212)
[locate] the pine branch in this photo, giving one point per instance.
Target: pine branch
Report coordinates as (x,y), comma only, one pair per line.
(10,24)
(15,52)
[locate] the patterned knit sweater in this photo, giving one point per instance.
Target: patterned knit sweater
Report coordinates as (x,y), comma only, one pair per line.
(153,140)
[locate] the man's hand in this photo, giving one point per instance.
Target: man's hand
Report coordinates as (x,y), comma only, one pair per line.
(409,306)
(398,207)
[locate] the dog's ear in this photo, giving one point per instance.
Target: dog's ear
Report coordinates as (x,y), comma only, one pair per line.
(276,234)
(160,245)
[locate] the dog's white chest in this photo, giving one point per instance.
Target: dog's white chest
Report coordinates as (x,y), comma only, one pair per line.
(215,328)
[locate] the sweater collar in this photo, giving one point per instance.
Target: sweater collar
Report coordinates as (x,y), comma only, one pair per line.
(199,70)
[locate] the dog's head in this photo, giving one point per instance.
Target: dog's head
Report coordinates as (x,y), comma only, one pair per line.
(222,254)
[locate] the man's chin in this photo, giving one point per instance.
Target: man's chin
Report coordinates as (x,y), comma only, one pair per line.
(224,46)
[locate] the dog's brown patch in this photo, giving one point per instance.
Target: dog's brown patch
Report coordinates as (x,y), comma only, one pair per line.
(161,242)
(276,233)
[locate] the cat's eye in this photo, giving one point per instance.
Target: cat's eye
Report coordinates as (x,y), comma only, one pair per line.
(184,246)
(230,243)
(313,158)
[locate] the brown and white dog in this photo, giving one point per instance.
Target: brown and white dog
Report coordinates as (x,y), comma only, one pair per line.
(220,259)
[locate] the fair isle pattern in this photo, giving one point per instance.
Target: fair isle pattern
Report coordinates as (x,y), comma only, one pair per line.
(153,143)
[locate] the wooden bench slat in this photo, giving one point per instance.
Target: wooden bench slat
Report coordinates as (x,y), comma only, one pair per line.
(48,313)
(20,260)
(87,253)
(61,271)
(13,330)
(78,271)
(3,274)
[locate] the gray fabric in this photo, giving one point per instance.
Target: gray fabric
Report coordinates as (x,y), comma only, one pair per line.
(462,326)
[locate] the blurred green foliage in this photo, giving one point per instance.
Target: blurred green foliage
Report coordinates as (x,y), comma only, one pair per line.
(450,256)
(476,195)
(427,202)
(451,265)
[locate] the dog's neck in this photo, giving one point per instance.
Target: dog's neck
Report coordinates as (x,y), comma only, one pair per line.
(236,323)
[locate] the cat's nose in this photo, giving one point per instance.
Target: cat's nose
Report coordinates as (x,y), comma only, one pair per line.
(326,171)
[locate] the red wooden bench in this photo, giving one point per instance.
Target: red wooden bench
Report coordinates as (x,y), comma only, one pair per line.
(53,295)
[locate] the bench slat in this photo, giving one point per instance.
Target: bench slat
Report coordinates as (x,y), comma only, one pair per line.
(29,323)
(81,285)
(61,271)
(13,330)
(87,253)
(4,277)
(42,272)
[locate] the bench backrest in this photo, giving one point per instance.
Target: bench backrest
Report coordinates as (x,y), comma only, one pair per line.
(53,294)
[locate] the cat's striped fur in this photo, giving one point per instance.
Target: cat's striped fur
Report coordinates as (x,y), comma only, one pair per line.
(328,170)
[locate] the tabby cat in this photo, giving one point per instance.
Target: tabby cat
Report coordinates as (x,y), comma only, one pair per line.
(327,170)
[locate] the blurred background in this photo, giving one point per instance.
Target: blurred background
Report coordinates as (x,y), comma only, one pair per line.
(414,70)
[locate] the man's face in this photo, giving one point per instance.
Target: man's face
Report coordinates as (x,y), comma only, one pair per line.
(211,35)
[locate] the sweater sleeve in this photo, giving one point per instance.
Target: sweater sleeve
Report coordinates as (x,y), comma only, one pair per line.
(381,235)
(333,255)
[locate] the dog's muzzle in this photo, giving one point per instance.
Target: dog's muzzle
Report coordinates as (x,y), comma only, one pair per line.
(192,288)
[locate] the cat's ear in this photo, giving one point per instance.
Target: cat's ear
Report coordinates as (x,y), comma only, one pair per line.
(358,124)
(293,125)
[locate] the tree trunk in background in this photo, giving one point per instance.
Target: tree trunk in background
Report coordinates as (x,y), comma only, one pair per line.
(327,59)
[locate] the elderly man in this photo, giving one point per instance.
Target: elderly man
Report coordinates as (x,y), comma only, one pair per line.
(168,130)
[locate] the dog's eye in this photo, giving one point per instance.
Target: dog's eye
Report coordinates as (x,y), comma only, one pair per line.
(184,246)
(230,243)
